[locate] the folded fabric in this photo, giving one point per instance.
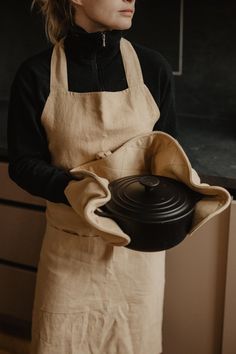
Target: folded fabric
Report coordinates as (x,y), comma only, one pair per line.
(154,153)
(88,194)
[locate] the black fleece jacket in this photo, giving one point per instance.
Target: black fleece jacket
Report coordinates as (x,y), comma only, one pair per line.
(91,67)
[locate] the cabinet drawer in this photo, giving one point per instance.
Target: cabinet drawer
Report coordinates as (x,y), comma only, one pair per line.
(10,191)
(21,233)
(17,292)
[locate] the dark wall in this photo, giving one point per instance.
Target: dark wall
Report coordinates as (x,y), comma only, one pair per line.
(156,24)
(21,35)
(207,86)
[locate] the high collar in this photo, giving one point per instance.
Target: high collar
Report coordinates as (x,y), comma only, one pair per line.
(80,44)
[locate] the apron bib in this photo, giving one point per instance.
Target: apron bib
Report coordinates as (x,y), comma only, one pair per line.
(92,297)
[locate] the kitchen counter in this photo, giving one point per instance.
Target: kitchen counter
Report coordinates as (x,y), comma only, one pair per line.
(210,146)
(211,149)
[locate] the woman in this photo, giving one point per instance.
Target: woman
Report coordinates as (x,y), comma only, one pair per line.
(91,92)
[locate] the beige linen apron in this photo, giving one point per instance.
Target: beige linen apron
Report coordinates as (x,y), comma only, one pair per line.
(93,297)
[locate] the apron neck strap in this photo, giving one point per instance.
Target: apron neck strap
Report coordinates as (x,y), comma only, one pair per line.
(59,78)
(59,68)
(131,63)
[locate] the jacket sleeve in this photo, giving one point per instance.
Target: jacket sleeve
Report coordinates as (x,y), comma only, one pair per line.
(29,158)
(168,119)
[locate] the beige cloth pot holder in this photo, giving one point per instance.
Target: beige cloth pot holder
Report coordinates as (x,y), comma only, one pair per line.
(153,153)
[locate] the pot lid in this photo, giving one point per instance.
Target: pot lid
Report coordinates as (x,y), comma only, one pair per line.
(150,198)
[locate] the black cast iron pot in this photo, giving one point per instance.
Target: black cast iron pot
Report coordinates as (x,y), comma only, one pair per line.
(155,211)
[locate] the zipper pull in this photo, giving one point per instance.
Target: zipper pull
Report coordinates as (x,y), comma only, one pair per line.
(103,40)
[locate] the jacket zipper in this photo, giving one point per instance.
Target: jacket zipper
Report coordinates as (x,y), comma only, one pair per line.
(103,39)
(95,62)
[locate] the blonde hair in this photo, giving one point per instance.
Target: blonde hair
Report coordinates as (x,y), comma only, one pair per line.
(58,16)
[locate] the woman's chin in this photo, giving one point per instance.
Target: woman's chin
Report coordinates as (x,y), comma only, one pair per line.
(124,25)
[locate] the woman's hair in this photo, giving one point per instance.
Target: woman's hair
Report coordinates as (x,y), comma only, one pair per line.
(58,16)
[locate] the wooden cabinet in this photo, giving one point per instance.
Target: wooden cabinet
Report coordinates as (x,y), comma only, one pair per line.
(195,287)
(22,225)
(9,191)
(229,332)
(17,294)
(21,234)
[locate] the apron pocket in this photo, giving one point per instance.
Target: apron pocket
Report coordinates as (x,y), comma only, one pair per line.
(72,272)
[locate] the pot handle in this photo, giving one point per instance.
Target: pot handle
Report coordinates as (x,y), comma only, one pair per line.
(149,182)
(103,213)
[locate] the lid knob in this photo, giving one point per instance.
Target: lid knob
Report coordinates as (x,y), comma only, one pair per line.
(149,182)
